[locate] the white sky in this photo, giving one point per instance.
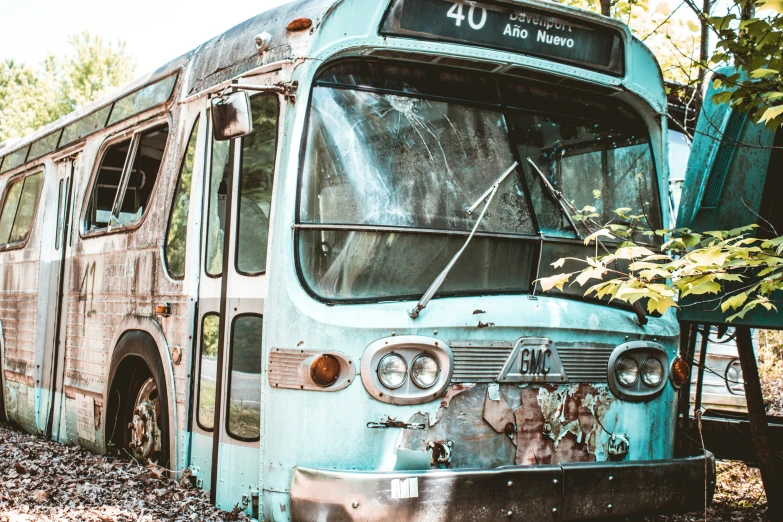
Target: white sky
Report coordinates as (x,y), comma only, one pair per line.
(155,31)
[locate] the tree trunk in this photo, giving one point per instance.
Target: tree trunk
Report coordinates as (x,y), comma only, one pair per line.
(704,49)
(606,7)
(765,457)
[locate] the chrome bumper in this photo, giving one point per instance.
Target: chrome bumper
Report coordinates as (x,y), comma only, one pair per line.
(577,491)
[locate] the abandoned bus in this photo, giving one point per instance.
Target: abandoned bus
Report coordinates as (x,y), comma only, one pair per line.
(301,261)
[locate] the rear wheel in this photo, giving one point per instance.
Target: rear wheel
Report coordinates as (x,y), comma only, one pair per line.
(137,416)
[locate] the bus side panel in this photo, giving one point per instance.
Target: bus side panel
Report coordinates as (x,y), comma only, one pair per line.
(116,278)
(18,314)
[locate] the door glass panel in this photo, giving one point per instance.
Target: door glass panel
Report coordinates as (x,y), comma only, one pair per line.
(208,371)
(218,188)
(58,230)
(177,235)
(9,210)
(244,396)
(255,186)
(144,172)
(27,203)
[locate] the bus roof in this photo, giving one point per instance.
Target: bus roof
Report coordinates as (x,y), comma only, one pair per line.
(222,58)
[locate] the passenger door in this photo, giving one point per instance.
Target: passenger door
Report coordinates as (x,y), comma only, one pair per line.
(53,364)
(54,273)
(233,287)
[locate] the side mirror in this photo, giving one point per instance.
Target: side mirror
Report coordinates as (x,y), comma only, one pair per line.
(231,116)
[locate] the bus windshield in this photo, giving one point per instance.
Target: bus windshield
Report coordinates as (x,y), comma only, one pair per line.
(389,173)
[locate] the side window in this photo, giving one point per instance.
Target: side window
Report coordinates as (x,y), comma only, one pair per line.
(177,233)
(217,193)
(16,216)
(207,379)
(255,186)
(243,419)
(126,177)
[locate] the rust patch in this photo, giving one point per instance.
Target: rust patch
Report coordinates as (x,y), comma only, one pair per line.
(558,424)
(497,412)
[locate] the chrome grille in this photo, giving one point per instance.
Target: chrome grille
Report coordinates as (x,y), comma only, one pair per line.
(481,361)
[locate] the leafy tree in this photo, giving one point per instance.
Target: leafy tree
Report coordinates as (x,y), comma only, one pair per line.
(732,269)
(31,97)
(752,43)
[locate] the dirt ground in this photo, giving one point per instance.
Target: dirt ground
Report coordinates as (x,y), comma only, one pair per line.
(42,481)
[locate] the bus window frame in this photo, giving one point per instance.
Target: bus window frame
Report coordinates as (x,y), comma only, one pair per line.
(194,127)
(14,178)
(239,188)
(230,361)
(108,142)
(503,107)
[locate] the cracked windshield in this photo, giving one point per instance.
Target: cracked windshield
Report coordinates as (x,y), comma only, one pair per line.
(390,171)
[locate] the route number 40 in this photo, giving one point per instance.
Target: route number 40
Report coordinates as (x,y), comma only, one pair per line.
(456,13)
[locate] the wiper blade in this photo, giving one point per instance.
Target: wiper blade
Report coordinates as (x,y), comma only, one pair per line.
(436,284)
(558,196)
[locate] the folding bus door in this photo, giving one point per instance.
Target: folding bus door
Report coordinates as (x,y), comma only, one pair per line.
(228,380)
(55,269)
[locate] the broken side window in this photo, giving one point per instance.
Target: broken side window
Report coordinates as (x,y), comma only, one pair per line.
(126,176)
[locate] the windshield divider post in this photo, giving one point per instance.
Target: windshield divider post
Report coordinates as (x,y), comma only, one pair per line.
(436,284)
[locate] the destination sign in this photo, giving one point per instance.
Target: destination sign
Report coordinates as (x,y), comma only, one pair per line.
(510,28)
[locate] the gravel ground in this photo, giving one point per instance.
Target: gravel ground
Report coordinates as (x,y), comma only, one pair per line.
(42,481)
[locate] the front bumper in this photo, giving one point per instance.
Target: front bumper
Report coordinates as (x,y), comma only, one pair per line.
(575,491)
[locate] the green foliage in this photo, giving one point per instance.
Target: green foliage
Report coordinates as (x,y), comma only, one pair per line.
(736,271)
(753,46)
(32,97)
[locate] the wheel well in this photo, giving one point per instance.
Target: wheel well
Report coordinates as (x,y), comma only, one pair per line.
(136,351)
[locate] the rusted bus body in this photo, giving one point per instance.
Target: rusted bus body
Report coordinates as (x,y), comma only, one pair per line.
(304,265)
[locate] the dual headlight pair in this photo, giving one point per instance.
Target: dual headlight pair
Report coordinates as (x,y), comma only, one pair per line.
(627,371)
(393,370)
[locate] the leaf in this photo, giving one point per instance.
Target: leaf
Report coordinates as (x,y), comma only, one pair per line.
(660,305)
(593,273)
(603,232)
(559,263)
(761,73)
(690,240)
(734,302)
(771,113)
(555,281)
(706,285)
(772,5)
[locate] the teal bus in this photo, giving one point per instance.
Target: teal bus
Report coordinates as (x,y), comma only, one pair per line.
(299,266)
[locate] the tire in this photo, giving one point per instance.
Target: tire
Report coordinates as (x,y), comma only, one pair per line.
(134,363)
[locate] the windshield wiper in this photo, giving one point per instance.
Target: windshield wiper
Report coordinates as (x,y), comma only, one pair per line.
(558,196)
(436,284)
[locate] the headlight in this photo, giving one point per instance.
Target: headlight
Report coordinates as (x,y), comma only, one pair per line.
(652,371)
(734,380)
(392,371)
(424,371)
(627,371)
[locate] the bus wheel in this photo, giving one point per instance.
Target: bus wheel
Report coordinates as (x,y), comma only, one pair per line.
(145,436)
(137,416)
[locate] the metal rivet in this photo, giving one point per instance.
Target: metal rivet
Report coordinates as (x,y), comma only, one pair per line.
(394,333)
(355,505)
(436,332)
(554,481)
(609,506)
(510,483)
(611,478)
(510,513)
(554,510)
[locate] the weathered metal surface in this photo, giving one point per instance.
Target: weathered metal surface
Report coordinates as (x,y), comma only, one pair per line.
(495,425)
(530,493)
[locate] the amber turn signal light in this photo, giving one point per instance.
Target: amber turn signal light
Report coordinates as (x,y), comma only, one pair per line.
(325,370)
(299,24)
(680,372)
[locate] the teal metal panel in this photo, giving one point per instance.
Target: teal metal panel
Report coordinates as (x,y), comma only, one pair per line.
(723,189)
